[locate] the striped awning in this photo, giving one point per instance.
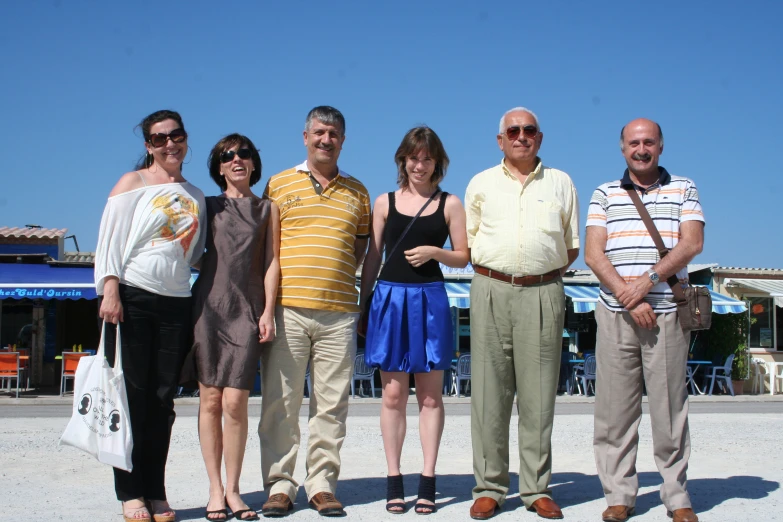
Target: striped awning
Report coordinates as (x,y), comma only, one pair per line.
(767,286)
(459,294)
(585,297)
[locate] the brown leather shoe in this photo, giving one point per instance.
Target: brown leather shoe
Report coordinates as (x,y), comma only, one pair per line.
(278,505)
(618,513)
(683,515)
(483,508)
(327,505)
(546,508)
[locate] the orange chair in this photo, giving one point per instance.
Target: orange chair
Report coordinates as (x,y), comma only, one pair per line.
(9,369)
(70,362)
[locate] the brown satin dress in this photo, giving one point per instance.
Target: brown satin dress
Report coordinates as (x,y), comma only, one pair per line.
(228,296)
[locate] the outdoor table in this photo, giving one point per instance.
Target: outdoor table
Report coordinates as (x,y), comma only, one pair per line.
(572,374)
(773,370)
(60,357)
(695,365)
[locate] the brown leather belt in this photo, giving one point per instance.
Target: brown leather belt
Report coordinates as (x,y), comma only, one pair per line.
(517,280)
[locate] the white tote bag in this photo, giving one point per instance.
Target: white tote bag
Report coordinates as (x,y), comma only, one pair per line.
(100,422)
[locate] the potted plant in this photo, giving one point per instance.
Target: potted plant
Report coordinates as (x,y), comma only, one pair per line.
(729,335)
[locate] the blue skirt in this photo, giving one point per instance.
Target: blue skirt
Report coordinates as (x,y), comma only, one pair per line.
(409,328)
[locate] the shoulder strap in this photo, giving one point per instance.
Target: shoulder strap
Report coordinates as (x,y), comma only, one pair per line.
(142,178)
(674,283)
(404,232)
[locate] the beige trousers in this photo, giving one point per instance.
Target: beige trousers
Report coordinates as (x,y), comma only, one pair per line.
(328,341)
(628,355)
(515,343)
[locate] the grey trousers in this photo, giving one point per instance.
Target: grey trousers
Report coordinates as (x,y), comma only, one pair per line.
(515,343)
(626,354)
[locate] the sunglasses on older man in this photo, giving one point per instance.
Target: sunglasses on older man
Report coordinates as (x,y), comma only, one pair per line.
(160,139)
(528,131)
(228,155)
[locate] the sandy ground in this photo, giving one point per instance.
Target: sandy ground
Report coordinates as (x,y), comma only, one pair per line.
(735,471)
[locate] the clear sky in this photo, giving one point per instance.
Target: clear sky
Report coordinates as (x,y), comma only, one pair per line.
(77,76)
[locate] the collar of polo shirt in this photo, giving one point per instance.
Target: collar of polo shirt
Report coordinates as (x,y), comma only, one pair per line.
(302,167)
(663,179)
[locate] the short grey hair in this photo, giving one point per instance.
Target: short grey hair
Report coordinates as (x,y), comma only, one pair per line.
(327,115)
(517,109)
(622,136)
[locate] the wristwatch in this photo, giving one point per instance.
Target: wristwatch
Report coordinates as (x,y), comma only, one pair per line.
(653,275)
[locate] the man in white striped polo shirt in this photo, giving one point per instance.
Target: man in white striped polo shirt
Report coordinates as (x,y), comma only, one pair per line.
(639,339)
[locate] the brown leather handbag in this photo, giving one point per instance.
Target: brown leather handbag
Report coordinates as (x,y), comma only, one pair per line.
(694,303)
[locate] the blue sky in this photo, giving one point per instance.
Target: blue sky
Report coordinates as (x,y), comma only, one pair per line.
(78,76)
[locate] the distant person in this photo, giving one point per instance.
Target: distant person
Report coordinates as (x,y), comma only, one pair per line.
(523,232)
(150,235)
(233,310)
(325,228)
(409,325)
(640,341)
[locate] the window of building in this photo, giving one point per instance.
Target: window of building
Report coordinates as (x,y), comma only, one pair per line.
(779,326)
(762,322)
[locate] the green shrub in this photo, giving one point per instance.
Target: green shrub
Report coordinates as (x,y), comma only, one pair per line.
(729,334)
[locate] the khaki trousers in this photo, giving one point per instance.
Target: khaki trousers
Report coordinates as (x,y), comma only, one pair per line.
(515,343)
(628,355)
(328,341)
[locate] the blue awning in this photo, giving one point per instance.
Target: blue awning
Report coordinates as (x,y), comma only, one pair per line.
(585,297)
(21,281)
(459,294)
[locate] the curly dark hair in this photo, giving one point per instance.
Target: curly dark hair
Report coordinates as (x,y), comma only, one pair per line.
(156,117)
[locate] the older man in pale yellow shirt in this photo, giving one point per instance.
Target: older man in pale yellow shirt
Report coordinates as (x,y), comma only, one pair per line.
(523,231)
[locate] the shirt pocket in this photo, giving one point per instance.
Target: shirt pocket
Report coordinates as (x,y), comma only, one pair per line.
(548,216)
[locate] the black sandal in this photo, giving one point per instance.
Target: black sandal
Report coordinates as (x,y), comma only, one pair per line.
(223,512)
(426,492)
(238,514)
(394,489)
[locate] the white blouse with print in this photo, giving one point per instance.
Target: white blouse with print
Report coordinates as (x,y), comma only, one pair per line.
(149,238)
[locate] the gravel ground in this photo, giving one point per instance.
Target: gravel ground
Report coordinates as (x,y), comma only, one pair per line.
(735,471)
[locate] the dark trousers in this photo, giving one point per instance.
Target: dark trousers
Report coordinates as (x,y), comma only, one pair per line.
(156,336)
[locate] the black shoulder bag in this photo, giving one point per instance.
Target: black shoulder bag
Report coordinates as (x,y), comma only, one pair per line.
(362,330)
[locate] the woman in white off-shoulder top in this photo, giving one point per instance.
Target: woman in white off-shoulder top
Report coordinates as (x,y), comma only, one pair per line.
(151,233)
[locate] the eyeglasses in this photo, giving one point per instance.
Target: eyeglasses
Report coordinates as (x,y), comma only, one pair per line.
(160,139)
(529,131)
(228,155)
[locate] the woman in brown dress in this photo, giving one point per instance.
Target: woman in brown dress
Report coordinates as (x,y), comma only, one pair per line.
(234,305)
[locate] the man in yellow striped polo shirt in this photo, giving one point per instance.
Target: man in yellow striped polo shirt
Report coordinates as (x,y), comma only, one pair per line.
(325,227)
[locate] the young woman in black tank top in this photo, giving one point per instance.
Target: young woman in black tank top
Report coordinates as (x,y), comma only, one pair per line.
(409,325)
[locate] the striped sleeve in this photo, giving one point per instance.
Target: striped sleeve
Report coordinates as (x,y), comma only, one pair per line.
(596,211)
(363,230)
(691,206)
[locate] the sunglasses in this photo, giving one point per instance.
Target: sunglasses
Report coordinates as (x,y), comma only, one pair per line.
(228,155)
(529,131)
(160,139)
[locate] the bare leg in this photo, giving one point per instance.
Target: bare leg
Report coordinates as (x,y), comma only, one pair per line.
(234,440)
(210,433)
(429,393)
(393,420)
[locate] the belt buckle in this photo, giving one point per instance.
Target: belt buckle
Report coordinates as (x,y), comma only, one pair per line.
(541,278)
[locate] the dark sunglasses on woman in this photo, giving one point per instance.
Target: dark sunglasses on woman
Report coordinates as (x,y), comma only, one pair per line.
(160,139)
(228,155)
